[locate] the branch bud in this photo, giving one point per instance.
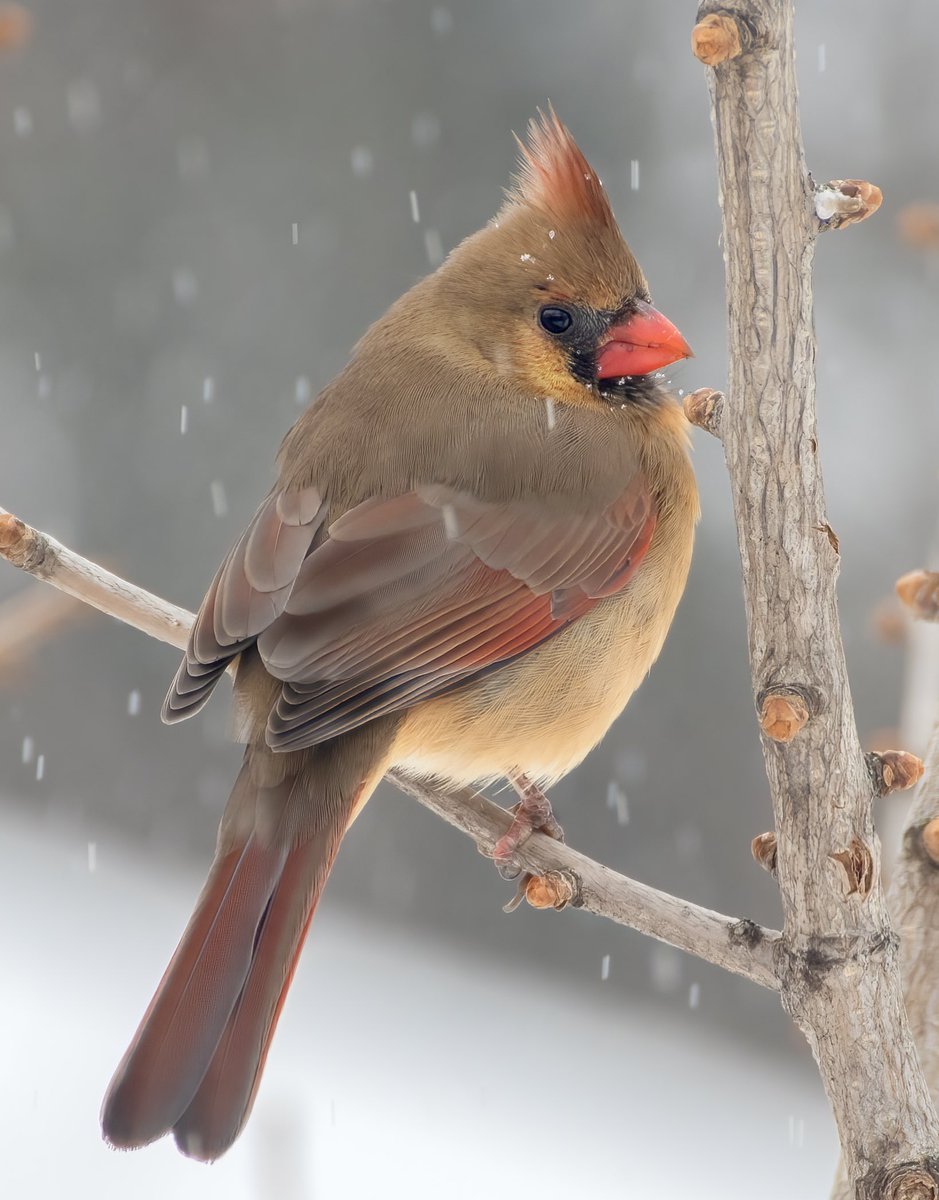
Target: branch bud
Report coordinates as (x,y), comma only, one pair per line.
(782,715)
(919,225)
(845,202)
(919,591)
(930,839)
(12,532)
(893,770)
(16,26)
(858,864)
(717,38)
(555,889)
(764,850)
(704,408)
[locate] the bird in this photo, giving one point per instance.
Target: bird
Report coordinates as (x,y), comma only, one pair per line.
(476,543)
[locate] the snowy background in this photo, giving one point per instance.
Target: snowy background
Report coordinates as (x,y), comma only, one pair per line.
(202,206)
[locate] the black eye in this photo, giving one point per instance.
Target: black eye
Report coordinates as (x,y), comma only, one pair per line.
(555,320)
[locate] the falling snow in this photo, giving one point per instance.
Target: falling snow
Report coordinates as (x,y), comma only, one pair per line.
(219,499)
(616,800)
(185,287)
(634,174)
(822,56)
(433,246)
(28,747)
(22,122)
(664,968)
(84,106)
(694,995)
(43,387)
(183,418)
(295,233)
(208,389)
(415,211)
(363,162)
(302,390)
(40,766)
(551,412)
(37,359)
(133,703)
(425,130)
(605,968)
(441,21)
(92,857)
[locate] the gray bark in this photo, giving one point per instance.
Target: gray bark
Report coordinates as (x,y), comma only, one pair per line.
(838,960)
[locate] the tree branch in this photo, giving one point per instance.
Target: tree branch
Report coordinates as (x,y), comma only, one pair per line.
(737,945)
(838,960)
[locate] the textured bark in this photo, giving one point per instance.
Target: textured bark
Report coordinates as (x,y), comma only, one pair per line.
(838,959)
(914,901)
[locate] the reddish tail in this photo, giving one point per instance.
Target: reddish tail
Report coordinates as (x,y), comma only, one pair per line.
(195,1062)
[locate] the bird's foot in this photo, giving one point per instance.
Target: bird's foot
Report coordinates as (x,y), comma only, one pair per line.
(532,813)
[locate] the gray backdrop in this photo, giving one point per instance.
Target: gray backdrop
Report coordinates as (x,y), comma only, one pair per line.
(155,157)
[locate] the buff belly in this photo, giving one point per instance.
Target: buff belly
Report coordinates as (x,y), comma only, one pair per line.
(542,713)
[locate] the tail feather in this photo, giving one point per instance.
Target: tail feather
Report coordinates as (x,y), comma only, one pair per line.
(195,1062)
(179,1032)
(217,1112)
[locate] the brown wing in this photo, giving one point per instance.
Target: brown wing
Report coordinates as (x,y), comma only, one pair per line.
(404,599)
(249,591)
(412,596)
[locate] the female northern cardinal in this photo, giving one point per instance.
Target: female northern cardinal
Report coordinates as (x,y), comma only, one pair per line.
(476,544)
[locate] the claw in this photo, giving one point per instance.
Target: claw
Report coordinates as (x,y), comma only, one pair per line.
(532,813)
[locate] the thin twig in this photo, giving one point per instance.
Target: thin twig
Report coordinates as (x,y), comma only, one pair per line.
(48,559)
(737,945)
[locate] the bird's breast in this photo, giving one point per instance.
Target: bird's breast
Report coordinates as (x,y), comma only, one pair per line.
(543,712)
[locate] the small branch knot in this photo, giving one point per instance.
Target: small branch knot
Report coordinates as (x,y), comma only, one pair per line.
(12,532)
(746,932)
(929,836)
(858,864)
(845,202)
(909,1181)
(764,850)
(783,713)
(718,37)
(705,408)
(20,544)
(555,889)
(893,770)
(919,591)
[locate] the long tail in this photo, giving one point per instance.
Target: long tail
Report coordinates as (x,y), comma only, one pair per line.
(196,1059)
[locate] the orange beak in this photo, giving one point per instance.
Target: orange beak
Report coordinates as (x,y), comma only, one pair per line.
(645,342)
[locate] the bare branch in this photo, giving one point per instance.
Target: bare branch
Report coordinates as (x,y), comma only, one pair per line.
(704,408)
(737,945)
(839,957)
(48,559)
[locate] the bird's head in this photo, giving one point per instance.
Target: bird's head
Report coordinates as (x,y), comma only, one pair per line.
(549,293)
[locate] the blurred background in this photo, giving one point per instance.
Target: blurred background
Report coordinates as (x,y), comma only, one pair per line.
(202,206)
